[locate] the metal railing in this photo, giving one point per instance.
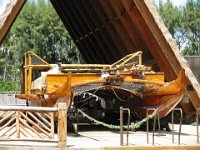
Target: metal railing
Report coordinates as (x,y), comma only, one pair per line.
(197,123)
(156,116)
(122,125)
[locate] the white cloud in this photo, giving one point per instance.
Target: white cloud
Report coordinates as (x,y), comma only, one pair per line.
(175,2)
(179,2)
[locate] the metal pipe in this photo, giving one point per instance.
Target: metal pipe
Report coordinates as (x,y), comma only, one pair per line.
(158,115)
(77,122)
(154,125)
(147,124)
(129,114)
(197,122)
(180,124)
(121,126)
(173,126)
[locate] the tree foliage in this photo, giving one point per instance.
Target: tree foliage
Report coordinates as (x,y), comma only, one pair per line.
(183,23)
(37,28)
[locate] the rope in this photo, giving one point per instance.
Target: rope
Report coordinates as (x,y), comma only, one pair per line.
(111,126)
(116,94)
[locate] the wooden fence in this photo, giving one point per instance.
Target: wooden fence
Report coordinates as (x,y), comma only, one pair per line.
(19,123)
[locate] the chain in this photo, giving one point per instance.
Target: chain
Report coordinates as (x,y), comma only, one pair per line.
(110,126)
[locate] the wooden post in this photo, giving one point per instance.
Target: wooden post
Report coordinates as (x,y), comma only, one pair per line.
(62,124)
(17,125)
(52,125)
(29,74)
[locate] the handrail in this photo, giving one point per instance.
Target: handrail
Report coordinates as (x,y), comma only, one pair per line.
(122,124)
(156,111)
(20,108)
(128,58)
(197,123)
(180,124)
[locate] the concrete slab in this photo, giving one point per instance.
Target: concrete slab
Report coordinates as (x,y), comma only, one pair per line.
(93,137)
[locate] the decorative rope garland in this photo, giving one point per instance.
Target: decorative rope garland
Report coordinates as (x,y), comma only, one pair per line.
(110,126)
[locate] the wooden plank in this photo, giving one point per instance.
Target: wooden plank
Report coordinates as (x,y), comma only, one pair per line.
(99,44)
(106,28)
(7,123)
(73,20)
(17,125)
(9,15)
(7,130)
(116,24)
(61,12)
(43,119)
(7,116)
(24,123)
(25,131)
(100,37)
(130,28)
(32,109)
(35,125)
(90,18)
(164,45)
(39,122)
(168,47)
(148,37)
(62,124)
(52,125)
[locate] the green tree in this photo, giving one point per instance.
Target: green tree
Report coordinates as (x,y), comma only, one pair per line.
(184,24)
(191,27)
(170,15)
(37,28)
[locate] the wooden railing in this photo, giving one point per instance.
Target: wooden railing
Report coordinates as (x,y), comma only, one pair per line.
(33,124)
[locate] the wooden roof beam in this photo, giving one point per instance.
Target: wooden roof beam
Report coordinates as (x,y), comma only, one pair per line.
(94,36)
(91,17)
(117,26)
(8,17)
(168,46)
(130,28)
(108,29)
(72,32)
(147,36)
(86,47)
(95,46)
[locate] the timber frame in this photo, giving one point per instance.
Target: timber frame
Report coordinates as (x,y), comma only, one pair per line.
(19,123)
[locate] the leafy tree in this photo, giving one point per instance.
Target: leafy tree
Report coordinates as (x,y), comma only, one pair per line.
(183,23)
(37,28)
(170,15)
(191,27)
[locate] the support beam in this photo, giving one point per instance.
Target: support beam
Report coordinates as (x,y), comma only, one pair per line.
(168,47)
(7,17)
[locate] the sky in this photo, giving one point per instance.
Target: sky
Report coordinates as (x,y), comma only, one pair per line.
(2,5)
(176,2)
